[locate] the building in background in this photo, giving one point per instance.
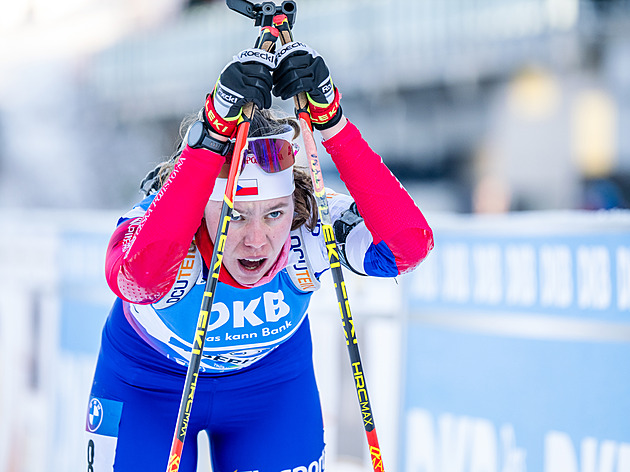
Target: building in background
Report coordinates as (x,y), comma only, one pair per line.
(520,102)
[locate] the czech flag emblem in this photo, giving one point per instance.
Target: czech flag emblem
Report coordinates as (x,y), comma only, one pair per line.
(246,187)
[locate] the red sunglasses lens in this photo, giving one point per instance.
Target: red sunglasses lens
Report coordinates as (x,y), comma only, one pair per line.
(271,155)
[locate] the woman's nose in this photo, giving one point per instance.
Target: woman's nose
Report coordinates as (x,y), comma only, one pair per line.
(255,234)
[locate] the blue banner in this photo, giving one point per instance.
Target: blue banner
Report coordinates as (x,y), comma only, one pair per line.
(85,297)
(517,349)
(478,402)
(585,275)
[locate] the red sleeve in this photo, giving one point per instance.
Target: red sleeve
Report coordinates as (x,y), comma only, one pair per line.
(387,209)
(144,254)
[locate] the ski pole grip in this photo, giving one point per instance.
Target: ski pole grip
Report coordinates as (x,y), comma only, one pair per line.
(281,23)
(266,41)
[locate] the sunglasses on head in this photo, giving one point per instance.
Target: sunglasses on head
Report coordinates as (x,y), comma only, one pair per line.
(270,154)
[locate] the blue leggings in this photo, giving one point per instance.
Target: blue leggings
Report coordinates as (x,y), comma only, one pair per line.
(266,419)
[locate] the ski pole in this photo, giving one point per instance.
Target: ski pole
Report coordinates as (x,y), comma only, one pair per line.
(301,107)
(266,41)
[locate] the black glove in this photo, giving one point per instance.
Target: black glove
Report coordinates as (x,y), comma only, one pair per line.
(300,69)
(246,79)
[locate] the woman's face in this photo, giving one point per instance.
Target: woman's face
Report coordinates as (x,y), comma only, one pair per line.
(256,235)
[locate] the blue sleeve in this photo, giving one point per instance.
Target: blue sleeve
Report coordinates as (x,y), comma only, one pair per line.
(137,210)
(379,261)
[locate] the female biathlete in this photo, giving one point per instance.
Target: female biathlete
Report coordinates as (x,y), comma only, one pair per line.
(256,395)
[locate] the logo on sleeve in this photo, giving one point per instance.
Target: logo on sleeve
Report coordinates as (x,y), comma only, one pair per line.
(187,276)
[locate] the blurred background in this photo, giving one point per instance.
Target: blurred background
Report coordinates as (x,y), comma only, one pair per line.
(508,122)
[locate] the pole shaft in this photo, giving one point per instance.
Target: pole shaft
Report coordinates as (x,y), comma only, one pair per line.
(301,104)
(266,39)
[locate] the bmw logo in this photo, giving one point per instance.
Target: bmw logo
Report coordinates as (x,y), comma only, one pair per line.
(95,415)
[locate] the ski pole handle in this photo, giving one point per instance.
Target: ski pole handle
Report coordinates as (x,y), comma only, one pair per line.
(301,101)
(266,41)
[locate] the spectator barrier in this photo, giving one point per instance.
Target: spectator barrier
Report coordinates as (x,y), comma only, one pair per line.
(506,351)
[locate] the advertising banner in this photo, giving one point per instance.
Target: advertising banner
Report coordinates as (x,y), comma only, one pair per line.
(518,346)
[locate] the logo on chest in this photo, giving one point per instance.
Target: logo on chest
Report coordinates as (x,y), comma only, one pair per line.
(270,308)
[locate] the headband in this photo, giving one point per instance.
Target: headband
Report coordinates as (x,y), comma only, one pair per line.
(254,183)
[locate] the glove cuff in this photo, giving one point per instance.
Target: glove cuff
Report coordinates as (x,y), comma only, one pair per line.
(218,124)
(327,116)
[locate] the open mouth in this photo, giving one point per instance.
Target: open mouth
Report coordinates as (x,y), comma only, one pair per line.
(252,264)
